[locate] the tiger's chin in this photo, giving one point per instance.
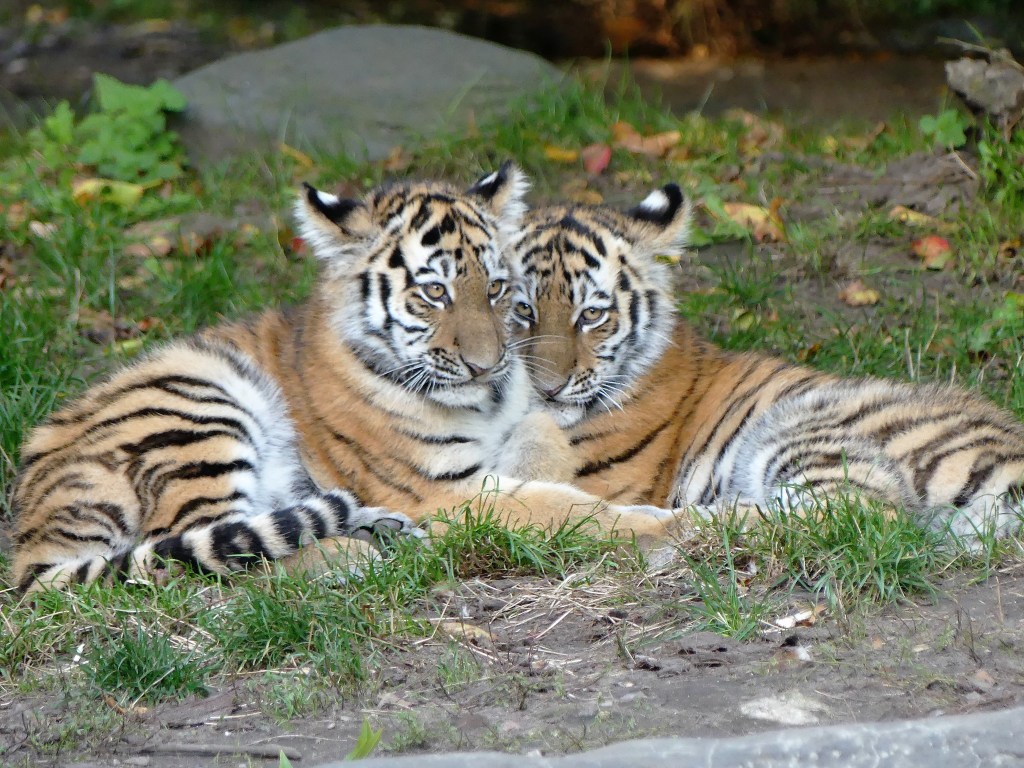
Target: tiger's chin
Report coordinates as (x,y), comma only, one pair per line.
(475,393)
(566,415)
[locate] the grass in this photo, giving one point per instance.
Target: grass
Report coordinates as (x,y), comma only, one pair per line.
(141,645)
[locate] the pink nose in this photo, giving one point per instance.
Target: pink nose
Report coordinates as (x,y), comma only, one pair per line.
(476,371)
(553,391)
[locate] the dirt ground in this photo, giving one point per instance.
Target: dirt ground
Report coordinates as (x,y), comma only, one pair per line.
(528,664)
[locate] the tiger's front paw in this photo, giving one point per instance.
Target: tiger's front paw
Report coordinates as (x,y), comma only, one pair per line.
(538,449)
(381,523)
(646,509)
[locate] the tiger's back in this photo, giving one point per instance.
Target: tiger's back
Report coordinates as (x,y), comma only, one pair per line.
(661,416)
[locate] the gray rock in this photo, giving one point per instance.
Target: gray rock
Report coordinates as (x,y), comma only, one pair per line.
(995,87)
(360,89)
(985,740)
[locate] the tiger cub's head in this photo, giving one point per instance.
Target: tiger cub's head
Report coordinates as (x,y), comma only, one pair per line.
(416,283)
(593,304)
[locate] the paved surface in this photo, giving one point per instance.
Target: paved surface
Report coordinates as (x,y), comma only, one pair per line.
(984,740)
(361,89)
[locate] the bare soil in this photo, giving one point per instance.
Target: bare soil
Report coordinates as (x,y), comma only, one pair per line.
(559,667)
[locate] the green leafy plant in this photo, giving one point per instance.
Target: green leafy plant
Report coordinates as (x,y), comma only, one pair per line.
(366,742)
(145,665)
(947,128)
(126,139)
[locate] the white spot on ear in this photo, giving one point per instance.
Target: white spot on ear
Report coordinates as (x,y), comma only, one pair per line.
(327,199)
(656,202)
(488,179)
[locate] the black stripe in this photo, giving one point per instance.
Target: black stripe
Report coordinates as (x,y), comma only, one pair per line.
(369,467)
(977,476)
(243,433)
(437,439)
(172,438)
(599,466)
(201,501)
(923,474)
(198,470)
(460,474)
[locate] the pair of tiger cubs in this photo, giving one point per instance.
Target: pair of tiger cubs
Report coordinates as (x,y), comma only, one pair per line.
(451,337)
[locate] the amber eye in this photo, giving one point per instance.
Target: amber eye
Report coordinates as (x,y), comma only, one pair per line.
(592,315)
(435,291)
(524,310)
(495,289)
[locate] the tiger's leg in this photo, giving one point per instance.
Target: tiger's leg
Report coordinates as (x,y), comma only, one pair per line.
(93,516)
(552,505)
(236,541)
(538,450)
(975,496)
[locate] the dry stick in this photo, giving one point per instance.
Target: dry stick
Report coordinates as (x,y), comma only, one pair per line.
(268,751)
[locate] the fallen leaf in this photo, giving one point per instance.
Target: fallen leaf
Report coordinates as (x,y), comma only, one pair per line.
(6,273)
(743,319)
(760,134)
(982,679)
(16,215)
(298,156)
(856,294)
(808,353)
(460,630)
(913,218)
(560,154)
(44,231)
(111,702)
(121,193)
(764,224)
(1009,249)
(934,251)
(596,158)
(628,138)
(128,347)
(577,191)
(397,160)
(804,618)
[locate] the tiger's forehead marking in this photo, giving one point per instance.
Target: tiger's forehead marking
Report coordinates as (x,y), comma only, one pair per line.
(432,232)
(572,254)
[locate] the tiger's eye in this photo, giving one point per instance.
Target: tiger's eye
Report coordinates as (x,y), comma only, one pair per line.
(435,291)
(591,315)
(495,289)
(524,310)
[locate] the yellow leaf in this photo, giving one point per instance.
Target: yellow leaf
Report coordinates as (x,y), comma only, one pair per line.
(856,294)
(122,193)
(460,630)
(915,219)
(764,224)
(560,155)
(299,157)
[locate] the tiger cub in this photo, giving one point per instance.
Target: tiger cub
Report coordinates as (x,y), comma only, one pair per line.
(660,416)
(391,392)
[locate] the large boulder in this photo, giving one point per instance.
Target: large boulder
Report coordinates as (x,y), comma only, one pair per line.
(360,89)
(981,740)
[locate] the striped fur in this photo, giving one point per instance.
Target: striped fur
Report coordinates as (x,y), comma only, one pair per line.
(394,385)
(659,416)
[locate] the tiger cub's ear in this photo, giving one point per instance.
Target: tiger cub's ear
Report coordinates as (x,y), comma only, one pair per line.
(502,193)
(661,222)
(333,227)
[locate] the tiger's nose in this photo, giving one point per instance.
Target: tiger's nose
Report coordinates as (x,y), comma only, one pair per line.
(475,370)
(552,392)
